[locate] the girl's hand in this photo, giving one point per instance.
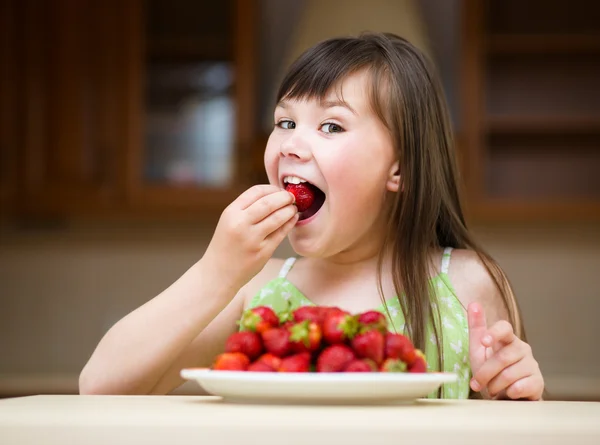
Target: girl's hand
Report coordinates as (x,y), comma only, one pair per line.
(249,231)
(503,365)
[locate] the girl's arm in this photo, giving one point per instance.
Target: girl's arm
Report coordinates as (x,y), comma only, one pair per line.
(138,350)
(502,364)
(142,352)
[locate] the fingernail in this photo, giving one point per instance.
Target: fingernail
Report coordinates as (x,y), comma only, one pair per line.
(475,385)
(487,340)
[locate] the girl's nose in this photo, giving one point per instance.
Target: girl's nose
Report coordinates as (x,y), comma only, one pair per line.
(295,146)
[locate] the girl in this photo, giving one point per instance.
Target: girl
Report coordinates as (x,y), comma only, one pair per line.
(364,122)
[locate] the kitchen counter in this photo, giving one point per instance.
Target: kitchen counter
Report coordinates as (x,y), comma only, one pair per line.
(62,419)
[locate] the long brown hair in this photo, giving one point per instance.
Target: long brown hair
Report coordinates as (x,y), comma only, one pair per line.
(427,213)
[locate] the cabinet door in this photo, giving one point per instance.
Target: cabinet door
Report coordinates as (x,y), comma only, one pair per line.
(196,123)
(74,133)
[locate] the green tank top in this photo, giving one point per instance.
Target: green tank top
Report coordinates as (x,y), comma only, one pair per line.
(281,295)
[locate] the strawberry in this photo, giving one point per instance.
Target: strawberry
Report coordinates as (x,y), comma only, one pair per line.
(339,326)
(310,313)
(246,342)
(420,363)
(271,360)
(393,365)
(373,320)
(362,365)
(305,336)
(335,358)
(296,363)
(304,195)
(231,361)
(260,367)
(277,341)
(399,346)
(370,344)
(259,319)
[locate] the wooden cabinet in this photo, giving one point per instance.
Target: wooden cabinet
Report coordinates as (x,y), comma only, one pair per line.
(126,108)
(72,63)
(531,109)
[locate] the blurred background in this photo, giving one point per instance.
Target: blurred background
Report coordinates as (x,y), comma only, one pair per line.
(127,126)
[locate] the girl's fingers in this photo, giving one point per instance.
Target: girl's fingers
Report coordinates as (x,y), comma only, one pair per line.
(530,387)
(477,329)
(279,235)
(501,334)
(496,364)
(509,376)
(275,221)
(253,194)
(264,207)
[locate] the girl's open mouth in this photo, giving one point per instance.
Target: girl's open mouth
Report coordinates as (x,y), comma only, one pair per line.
(309,197)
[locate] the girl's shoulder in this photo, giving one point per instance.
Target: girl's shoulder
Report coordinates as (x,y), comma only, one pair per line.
(269,272)
(472,282)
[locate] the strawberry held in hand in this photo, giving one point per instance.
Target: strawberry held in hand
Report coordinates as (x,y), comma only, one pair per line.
(304,195)
(259,319)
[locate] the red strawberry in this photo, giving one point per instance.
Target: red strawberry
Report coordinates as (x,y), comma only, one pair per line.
(399,346)
(370,344)
(231,361)
(260,367)
(335,358)
(363,365)
(296,363)
(310,313)
(373,320)
(259,319)
(277,341)
(271,360)
(305,336)
(246,342)
(304,195)
(339,326)
(393,365)
(420,364)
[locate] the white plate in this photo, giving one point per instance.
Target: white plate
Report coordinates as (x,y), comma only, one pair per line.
(378,387)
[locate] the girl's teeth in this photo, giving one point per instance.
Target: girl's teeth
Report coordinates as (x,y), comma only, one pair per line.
(293,180)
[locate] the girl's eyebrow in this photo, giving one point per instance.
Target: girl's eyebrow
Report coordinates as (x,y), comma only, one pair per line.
(324,104)
(338,103)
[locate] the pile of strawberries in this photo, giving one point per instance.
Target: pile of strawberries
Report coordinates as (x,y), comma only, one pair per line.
(321,339)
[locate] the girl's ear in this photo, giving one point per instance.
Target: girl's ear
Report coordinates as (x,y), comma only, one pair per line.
(393,182)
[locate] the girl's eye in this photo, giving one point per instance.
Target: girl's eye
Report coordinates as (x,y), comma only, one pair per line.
(286,124)
(331,128)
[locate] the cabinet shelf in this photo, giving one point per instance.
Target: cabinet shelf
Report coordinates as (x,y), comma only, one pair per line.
(544,43)
(550,124)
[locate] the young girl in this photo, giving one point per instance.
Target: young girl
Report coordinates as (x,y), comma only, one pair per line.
(364,122)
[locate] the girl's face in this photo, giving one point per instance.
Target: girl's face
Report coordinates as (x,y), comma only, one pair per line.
(342,148)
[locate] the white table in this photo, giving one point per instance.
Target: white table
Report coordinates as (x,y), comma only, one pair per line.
(208,420)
